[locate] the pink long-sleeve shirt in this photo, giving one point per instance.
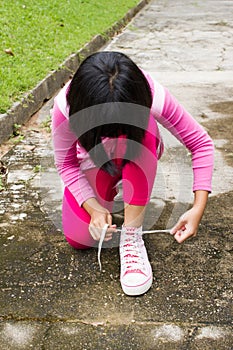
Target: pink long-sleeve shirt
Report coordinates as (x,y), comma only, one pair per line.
(71,159)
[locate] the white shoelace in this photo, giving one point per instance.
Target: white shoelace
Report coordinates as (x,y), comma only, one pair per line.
(130,248)
(102,236)
(103,233)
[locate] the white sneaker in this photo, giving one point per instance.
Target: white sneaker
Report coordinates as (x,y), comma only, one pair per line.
(136,273)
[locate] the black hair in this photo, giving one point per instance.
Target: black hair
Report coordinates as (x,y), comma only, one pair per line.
(109,96)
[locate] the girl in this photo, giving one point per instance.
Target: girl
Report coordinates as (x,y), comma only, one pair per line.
(104,126)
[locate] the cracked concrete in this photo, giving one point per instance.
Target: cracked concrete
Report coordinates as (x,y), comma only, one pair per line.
(53,297)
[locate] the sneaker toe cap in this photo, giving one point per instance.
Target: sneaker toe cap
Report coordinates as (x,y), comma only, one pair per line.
(136,279)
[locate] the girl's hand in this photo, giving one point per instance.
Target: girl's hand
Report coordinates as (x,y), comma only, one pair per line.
(98,220)
(100,216)
(187,226)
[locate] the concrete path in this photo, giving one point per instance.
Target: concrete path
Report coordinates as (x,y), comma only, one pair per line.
(52,297)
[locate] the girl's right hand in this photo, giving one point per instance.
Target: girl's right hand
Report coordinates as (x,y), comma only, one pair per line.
(98,220)
(100,216)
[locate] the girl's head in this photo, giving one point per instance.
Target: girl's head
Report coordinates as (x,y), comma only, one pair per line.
(109,96)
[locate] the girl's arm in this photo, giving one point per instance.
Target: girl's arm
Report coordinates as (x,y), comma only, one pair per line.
(192,135)
(64,143)
(65,152)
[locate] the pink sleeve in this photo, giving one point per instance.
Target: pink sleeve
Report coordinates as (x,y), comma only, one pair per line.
(189,132)
(64,143)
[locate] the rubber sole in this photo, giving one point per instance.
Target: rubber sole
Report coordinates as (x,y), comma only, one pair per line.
(137,290)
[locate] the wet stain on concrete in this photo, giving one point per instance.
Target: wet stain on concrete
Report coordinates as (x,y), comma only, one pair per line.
(223,107)
(221,128)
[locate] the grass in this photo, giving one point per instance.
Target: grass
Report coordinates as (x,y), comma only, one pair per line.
(36,36)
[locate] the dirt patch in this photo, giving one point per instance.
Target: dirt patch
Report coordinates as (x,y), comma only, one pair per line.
(225,107)
(221,129)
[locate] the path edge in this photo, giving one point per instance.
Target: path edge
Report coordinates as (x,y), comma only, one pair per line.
(33,100)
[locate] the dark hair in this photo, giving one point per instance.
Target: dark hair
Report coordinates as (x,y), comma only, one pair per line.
(109,96)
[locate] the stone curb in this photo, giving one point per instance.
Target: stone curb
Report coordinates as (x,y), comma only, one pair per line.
(22,111)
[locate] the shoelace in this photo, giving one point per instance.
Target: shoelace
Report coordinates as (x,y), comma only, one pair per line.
(131,251)
(103,233)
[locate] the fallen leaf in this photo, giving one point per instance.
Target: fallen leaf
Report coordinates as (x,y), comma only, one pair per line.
(9,52)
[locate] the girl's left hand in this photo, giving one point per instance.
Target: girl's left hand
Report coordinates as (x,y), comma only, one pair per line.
(187,226)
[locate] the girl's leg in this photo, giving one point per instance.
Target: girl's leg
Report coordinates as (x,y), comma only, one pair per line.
(134,215)
(75,219)
(75,222)
(138,178)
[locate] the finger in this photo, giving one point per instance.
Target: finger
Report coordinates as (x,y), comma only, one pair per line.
(108,234)
(95,232)
(179,226)
(181,235)
(109,219)
(112,229)
(108,237)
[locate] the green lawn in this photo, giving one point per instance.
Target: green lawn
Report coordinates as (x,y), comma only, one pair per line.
(42,33)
